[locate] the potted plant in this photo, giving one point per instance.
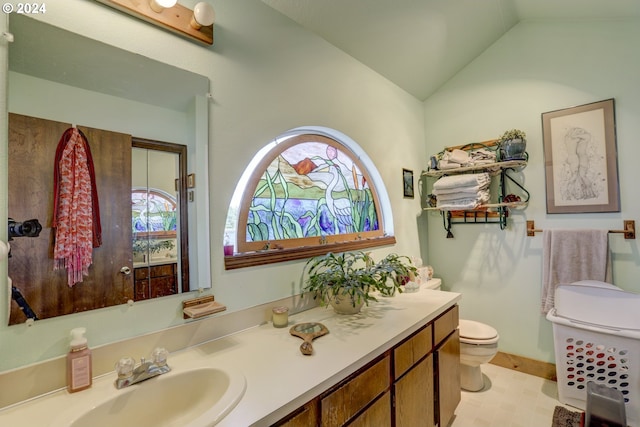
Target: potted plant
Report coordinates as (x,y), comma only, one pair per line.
(346,280)
(513,144)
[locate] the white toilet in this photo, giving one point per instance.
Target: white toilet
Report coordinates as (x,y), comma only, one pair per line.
(478,345)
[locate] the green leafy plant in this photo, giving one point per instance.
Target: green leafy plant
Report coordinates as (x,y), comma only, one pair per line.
(356,275)
(151,246)
(513,134)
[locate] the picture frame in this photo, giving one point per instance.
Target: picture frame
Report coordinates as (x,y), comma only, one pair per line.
(407,183)
(581,163)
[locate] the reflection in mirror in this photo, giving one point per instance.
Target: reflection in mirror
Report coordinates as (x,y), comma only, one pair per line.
(160,237)
(113,94)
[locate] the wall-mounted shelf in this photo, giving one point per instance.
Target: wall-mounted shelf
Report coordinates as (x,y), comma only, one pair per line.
(492,168)
(491,213)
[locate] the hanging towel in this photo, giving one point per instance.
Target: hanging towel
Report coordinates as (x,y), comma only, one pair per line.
(572,255)
(76,213)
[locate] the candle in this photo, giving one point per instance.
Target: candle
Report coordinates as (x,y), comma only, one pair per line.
(280,317)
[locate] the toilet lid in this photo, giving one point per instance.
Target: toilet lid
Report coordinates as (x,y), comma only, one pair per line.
(471,329)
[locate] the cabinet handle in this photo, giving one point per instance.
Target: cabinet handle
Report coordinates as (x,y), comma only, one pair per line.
(125,270)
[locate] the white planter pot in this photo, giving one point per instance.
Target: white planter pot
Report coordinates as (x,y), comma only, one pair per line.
(344,304)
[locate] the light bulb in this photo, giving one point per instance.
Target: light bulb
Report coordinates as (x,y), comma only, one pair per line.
(159,5)
(203,15)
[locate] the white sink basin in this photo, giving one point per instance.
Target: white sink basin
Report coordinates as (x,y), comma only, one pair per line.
(193,398)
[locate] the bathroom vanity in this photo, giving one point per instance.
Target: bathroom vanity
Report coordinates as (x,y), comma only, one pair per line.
(370,366)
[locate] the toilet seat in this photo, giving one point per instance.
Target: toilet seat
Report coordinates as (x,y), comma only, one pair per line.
(472,332)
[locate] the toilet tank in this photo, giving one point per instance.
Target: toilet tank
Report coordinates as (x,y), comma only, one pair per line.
(434,283)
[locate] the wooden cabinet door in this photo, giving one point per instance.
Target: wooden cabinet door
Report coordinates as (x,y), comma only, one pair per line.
(414,396)
(342,404)
(448,357)
(32,148)
(378,414)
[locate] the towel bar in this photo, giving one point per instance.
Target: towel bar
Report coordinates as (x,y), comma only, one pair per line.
(629,229)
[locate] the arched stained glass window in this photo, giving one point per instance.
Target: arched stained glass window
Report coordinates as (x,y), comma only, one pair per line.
(305,190)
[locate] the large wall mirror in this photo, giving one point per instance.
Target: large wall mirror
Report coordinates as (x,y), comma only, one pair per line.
(146,123)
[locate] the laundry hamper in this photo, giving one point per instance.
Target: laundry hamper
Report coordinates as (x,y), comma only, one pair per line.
(596,330)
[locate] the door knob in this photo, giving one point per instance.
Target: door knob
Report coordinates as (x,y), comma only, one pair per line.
(125,270)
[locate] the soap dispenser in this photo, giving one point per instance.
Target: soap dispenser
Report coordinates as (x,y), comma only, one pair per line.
(79,375)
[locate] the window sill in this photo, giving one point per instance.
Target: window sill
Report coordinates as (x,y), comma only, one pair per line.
(252,259)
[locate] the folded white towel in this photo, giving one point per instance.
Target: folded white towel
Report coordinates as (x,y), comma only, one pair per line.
(468,180)
(458,205)
(444,165)
(458,156)
(481,196)
(464,203)
(462,189)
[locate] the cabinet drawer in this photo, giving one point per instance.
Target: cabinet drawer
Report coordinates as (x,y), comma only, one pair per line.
(409,352)
(444,325)
(352,396)
(305,416)
(163,270)
(155,271)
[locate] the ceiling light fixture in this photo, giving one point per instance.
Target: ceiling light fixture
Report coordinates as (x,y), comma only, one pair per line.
(195,24)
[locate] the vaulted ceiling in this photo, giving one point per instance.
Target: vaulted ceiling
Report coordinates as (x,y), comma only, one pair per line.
(420,44)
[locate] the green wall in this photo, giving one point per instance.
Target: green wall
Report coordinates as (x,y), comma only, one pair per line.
(536,67)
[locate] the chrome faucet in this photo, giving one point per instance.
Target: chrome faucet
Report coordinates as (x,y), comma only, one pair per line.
(129,373)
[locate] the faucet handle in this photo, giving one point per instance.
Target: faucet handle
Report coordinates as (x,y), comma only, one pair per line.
(124,367)
(159,356)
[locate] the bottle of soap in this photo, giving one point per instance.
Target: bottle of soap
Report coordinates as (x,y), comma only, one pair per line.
(79,375)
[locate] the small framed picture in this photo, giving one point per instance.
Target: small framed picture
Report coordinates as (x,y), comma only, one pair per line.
(407,183)
(191,180)
(581,165)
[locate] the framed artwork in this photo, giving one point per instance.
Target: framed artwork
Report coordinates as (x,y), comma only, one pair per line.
(580,156)
(407,183)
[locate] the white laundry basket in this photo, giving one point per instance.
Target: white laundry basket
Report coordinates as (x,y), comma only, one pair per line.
(596,330)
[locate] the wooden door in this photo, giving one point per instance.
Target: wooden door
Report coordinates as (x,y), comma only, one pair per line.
(32,147)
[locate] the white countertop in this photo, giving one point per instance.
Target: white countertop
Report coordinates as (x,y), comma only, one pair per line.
(279,378)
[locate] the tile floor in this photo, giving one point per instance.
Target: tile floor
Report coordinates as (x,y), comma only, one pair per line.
(509,399)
